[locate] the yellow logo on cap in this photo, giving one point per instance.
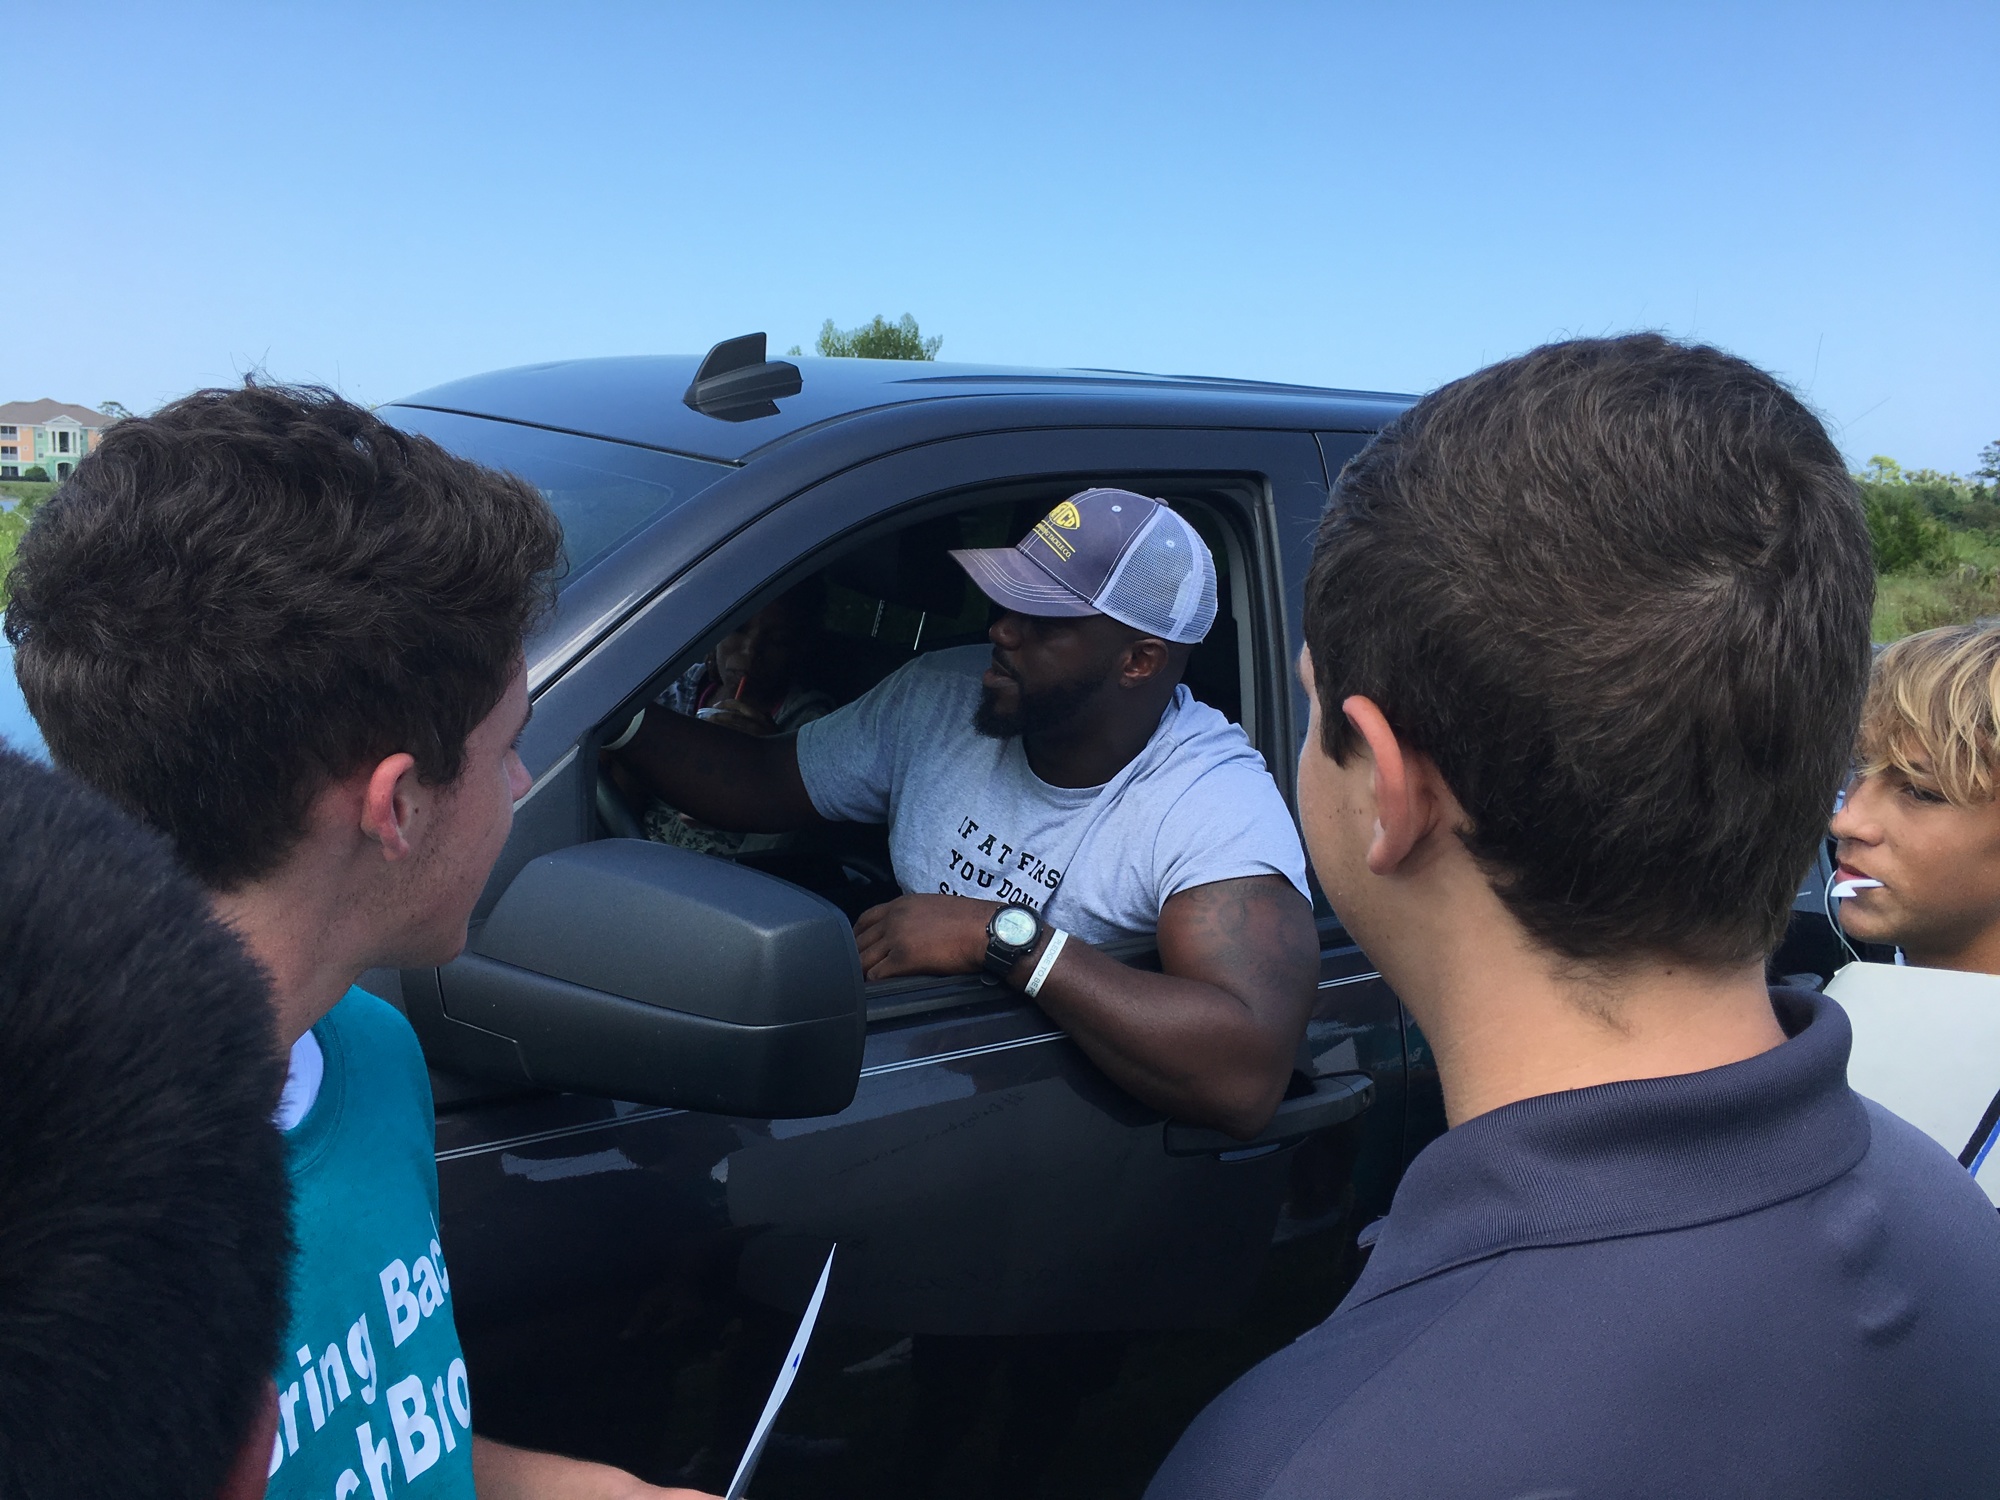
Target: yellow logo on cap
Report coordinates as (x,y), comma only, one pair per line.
(1066,516)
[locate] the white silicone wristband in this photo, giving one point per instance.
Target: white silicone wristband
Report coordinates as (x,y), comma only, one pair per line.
(630,730)
(1034,985)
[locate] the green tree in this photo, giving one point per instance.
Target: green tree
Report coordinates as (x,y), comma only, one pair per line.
(1960,505)
(1945,496)
(1907,537)
(878,338)
(1989,463)
(118,411)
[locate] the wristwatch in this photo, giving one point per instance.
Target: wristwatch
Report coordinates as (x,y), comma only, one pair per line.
(1011,933)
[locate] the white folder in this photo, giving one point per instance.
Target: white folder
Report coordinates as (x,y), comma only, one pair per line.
(787,1373)
(1927,1047)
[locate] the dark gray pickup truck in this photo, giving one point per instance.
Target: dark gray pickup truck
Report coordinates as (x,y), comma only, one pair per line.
(663,1089)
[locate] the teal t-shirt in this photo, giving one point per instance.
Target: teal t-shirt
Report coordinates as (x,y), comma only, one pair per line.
(372,1393)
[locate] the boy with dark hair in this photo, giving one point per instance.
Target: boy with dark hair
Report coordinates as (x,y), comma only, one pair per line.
(143,1201)
(289,636)
(1586,636)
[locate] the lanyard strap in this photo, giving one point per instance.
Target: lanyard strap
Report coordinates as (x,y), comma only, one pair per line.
(1973,1157)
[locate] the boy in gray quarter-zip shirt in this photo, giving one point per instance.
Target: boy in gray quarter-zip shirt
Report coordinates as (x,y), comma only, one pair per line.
(1586,637)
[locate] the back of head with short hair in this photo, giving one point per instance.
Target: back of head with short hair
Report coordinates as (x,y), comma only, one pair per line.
(1618,590)
(254,591)
(1933,712)
(144,1208)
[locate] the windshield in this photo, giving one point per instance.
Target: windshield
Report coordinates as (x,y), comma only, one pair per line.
(600,491)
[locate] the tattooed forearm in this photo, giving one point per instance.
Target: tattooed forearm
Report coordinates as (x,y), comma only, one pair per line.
(1253,938)
(1210,1038)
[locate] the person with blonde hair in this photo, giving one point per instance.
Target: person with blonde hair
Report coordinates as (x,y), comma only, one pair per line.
(1919,831)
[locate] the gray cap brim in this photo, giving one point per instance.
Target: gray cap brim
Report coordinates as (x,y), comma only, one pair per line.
(1014,582)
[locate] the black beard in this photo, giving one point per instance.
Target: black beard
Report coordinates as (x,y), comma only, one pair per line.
(1034,712)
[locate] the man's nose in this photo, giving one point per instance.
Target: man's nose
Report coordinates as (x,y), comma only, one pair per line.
(1005,631)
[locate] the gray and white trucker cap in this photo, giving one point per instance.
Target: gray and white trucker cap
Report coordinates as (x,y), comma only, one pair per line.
(1105,552)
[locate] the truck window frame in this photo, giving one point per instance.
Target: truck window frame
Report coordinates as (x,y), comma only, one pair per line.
(1229,503)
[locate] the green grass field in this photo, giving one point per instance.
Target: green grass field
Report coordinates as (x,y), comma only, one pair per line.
(1966,590)
(19,496)
(18,499)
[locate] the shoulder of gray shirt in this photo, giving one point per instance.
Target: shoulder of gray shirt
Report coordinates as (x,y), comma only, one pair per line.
(942,683)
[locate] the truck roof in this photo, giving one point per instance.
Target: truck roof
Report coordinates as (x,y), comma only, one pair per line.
(638,398)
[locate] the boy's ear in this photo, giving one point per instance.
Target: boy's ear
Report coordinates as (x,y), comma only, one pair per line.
(1403,783)
(389,804)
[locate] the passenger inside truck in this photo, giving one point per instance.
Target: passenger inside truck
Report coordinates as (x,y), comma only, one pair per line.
(762,678)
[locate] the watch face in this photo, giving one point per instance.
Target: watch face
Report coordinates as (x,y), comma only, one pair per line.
(1014,926)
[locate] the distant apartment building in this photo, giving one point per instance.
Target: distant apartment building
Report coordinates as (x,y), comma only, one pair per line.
(51,435)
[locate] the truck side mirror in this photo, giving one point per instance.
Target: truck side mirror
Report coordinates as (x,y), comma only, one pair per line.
(633,970)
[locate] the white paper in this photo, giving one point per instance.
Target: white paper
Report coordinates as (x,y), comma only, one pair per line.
(1926,1046)
(787,1373)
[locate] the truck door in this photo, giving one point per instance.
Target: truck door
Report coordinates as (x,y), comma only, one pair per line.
(986,1179)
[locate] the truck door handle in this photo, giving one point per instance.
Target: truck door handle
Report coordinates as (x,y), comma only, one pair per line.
(1325,1102)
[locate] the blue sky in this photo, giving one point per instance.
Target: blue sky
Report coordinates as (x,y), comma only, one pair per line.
(383,197)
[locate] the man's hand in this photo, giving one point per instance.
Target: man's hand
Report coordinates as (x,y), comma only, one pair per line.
(1210,1039)
(923,935)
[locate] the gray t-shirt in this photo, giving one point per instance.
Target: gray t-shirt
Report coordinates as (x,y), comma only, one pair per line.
(968,817)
